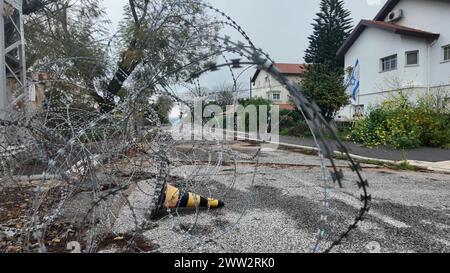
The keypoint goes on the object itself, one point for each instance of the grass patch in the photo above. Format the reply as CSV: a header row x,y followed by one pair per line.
x,y
406,166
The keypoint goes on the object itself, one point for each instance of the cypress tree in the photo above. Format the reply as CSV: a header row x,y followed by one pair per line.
x,y
331,28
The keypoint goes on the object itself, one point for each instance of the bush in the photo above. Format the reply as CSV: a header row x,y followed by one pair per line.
x,y
294,114
255,101
284,132
286,122
300,129
258,103
292,123
163,106
371,130
401,124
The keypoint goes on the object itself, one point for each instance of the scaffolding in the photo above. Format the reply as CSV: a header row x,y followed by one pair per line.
x,y
13,84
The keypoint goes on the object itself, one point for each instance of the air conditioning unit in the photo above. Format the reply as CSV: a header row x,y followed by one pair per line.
x,y
395,15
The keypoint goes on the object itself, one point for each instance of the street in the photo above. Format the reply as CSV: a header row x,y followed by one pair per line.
x,y
278,210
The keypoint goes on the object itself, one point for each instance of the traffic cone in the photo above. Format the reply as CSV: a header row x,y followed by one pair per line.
x,y
174,200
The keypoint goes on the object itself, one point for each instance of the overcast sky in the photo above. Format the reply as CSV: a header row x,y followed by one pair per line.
x,y
280,27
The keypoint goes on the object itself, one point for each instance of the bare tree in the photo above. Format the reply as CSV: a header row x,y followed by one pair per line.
x,y
228,94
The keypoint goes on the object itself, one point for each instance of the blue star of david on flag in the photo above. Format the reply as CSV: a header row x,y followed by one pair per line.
x,y
354,81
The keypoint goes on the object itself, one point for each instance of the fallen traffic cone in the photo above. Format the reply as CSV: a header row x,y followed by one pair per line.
x,y
167,196
174,200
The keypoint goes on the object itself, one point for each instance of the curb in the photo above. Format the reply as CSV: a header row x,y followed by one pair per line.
x,y
428,166
438,167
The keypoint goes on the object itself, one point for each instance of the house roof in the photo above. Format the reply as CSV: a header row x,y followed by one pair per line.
x,y
397,29
294,69
286,69
285,106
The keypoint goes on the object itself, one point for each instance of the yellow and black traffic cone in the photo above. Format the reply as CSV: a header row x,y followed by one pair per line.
x,y
175,200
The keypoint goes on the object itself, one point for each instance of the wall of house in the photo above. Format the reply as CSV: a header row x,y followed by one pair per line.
x,y
265,85
432,16
432,74
375,44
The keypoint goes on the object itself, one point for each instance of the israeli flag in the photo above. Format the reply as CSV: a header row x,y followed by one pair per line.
x,y
354,81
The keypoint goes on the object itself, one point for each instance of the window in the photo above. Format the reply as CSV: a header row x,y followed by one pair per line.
x,y
412,58
446,53
447,103
389,63
276,96
359,111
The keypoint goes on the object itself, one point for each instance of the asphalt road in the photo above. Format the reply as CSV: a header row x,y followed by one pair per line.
x,y
421,154
278,209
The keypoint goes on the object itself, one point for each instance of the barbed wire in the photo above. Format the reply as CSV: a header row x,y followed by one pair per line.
x,y
113,170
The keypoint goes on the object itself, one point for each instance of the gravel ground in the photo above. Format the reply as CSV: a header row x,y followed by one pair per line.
x,y
278,210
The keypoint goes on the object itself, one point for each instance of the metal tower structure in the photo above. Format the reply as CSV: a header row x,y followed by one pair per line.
x,y
13,87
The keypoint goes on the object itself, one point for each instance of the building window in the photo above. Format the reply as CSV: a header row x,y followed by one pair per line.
x,y
412,58
446,53
359,111
447,104
389,63
276,96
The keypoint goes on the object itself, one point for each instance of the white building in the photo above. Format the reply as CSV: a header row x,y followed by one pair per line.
x,y
266,87
406,47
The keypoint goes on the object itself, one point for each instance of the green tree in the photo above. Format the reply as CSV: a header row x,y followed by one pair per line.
x,y
323,81
331,28
163,107
324,85
64,41
156,38
64,30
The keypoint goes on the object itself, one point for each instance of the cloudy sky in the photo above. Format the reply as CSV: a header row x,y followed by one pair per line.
x,y
280,27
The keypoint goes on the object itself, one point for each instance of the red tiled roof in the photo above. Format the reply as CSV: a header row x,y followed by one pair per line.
x,y
287,69
401,29
285,106
397,29
291,68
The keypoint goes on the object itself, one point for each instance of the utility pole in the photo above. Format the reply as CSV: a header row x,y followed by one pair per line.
x,y
13,86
